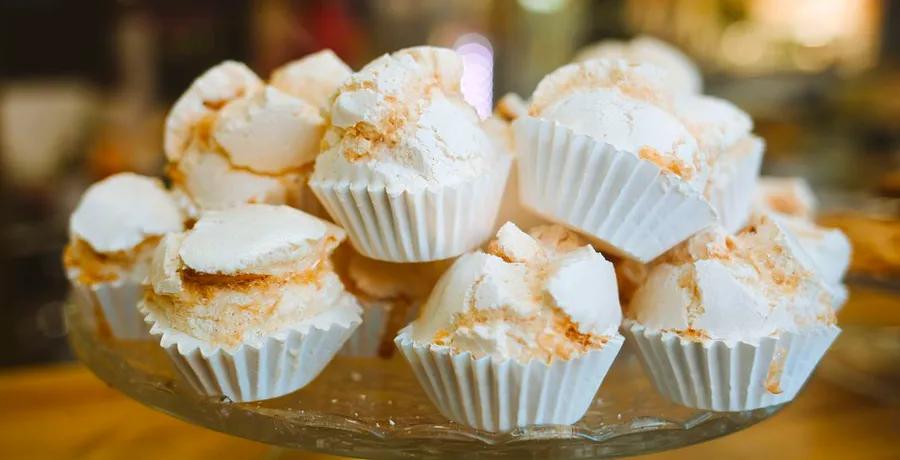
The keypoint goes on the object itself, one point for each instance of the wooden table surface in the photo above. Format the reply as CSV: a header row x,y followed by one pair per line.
x,y
63,411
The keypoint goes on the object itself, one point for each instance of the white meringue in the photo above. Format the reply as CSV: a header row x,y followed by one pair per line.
x,y
314,78
786,195
207,94
121,211
734,288
248,273
633,126
401,122
260,239
269,131
683,75
527,298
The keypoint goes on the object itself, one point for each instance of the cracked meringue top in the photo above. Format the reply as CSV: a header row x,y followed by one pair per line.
x,y
626,106
247,272
786,195
682,75
231,139
116,226
753,284
545,295
401,122
314,78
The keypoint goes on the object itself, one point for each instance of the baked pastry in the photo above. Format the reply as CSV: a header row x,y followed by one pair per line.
x,y
601,152
406,166
732,323
231,139
521,334
246,303
112,235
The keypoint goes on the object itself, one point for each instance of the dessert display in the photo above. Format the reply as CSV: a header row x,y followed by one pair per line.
x,y
525,331
406,166
246,303
641,198
112,235
732,322
603,153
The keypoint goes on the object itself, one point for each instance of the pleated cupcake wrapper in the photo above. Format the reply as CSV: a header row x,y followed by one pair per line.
x,y
734,199
631,206
416,226
720,376
501,395
366,340
114,304
281,364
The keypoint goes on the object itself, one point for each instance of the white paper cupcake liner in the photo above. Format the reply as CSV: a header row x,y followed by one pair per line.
x,y
502,395
733,197
629,205
114,304
416,226
720,376
280,364
368,337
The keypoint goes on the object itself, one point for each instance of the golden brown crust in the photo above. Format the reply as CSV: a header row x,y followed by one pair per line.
x,y
98,267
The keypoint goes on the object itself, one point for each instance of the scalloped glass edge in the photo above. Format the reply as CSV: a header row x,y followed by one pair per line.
x,y
122,365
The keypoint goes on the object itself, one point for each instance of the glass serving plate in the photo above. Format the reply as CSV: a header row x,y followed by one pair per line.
x,y
374,408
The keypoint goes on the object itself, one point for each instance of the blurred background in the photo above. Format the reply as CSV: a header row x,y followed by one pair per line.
x,y
84,88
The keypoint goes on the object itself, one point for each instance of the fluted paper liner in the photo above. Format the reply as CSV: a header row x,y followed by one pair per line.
x,y
629,205
733,200
366,340
416,226
282,363
115,304
500,395
720,376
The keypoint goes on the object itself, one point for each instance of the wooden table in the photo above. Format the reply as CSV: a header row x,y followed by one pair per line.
x,y
63,411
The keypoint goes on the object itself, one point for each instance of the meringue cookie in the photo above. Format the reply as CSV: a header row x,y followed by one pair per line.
x,y
246,273
314,78
261,240
828,252
633,126
207,94
683,75
734,288
236,141
786,195
401,122
716,123
121,211
206,180
542,296
641,81
269,132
